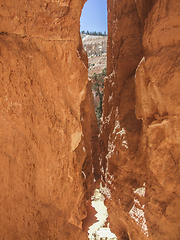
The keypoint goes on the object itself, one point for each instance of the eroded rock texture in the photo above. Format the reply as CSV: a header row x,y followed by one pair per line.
x,y
140,129
43,77
49,147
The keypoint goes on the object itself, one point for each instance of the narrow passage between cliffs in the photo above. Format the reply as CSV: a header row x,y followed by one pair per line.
x,y
95,43
94,38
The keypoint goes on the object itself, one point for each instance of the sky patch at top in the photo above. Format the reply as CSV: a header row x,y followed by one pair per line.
x,y
94,16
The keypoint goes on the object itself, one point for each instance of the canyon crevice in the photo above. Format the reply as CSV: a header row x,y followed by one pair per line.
x,y
53,154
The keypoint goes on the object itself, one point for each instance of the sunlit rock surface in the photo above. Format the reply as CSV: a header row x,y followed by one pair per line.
x,y
140,127
51,159
43,77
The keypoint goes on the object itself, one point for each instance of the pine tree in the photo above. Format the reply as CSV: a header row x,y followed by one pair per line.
x,y
98,85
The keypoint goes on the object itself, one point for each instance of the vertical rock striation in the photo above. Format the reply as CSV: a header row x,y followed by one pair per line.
x,y
43,77
49,146
140,129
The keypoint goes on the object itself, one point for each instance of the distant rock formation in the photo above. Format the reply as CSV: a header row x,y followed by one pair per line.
x,y
96,47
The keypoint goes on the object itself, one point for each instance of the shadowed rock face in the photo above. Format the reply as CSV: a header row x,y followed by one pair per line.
x,y
140,126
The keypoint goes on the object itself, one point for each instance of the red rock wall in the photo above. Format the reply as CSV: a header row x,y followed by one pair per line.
x,y
140,129
48,130
43,77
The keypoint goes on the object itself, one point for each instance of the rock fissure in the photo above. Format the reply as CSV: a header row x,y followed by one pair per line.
x,y
53,154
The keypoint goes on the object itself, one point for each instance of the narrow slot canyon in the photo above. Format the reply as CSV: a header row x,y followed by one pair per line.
x,y
96,224
68,171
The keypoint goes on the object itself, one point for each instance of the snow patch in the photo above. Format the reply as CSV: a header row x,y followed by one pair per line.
x,y
105,190
107,119
118,132
97,201
137,211
140,191
92,168
106,232
84,175
100,161
110,97
97,230
102,170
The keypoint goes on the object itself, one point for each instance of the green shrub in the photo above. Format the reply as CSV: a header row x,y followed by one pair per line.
x,y
97,86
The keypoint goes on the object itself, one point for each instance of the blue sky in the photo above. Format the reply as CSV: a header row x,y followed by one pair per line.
x,y
94,16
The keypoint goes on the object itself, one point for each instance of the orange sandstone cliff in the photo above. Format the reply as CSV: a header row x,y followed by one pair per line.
x,y
140,130
43,78
50,154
